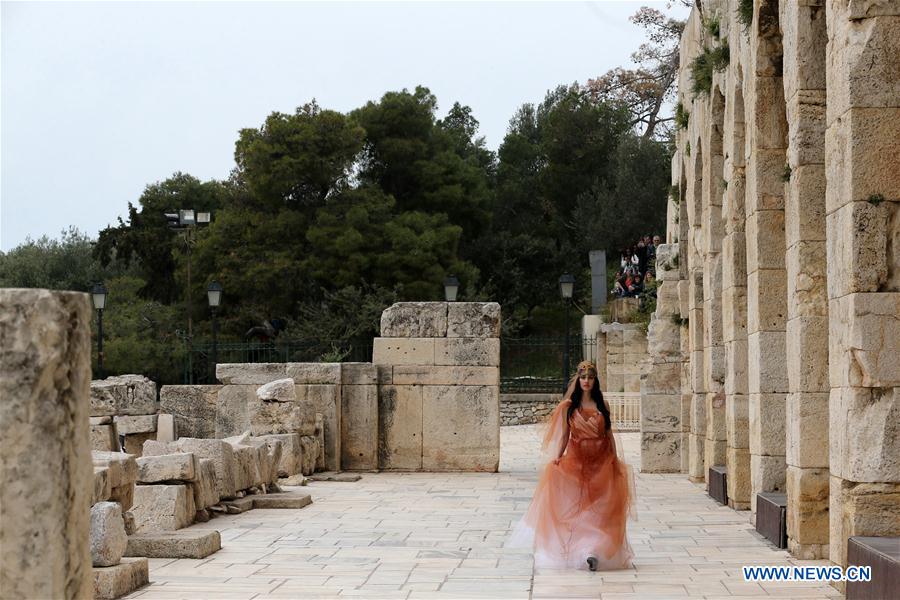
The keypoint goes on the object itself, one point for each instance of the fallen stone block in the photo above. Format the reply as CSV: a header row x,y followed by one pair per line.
x,y
246,459
218,451
121,579
101,420
108,538
280,390
274,417
193,408
129,424
124,495
414,319
291,452
104,438
204,486
134,442
123,395
269,457
333,476
181,466
102,489
166,430
122,467
310,454
185,543
473,319
162,507
128,518
283,500
239,505
298,479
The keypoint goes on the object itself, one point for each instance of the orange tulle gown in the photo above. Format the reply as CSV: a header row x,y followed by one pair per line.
x,y
580,505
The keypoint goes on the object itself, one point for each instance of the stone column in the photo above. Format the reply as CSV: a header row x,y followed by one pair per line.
x,y
862,146
661,415
695,267
804,36
713,348
734,300
46,477
766,276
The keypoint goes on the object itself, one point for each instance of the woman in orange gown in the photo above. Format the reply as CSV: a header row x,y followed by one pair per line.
x,y
584,492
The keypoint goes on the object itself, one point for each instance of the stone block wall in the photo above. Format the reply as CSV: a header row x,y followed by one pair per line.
x,y
123,405
439,386
786,220
524,409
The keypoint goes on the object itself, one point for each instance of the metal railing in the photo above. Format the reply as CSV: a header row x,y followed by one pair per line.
x,y
624,410
536,364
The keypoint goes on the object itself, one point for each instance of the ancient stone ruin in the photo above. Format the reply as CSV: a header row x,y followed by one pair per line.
x,y
776,341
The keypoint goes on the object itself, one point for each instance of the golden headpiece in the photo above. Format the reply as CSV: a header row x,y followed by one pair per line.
x,y
586,366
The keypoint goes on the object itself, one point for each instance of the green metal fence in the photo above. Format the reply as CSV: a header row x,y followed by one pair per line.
x,y
527,365
199,366
536,364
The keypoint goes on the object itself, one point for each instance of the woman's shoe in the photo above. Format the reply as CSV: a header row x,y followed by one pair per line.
x,y
592,563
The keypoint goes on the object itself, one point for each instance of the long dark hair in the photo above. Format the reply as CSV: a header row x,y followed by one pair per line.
x,y
596,394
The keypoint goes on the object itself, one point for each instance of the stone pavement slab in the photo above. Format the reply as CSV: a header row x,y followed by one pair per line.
x,y
442,536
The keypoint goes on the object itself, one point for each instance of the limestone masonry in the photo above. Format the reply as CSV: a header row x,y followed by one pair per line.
x,y
776,341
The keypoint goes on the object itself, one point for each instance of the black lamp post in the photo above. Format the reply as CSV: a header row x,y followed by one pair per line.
x,y
98,297
451,288
214,295
566,287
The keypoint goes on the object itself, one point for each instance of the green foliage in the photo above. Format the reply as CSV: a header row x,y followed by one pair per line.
x,y
682,116
678,320
786,173
687,148
745,13
64,264
708,61
875,199
349,313
140,336
711,25
675,194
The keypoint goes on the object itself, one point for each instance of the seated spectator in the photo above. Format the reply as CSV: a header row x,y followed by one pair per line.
x,y
650,277
635,287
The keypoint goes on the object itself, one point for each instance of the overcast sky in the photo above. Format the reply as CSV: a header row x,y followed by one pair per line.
x,y
101,99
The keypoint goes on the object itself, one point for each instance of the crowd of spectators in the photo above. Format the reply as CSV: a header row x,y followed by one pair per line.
x,y
637,268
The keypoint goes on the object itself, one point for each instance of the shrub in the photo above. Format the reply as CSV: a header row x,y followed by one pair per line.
x,y
681,116
875,199
745,13
712,25
705,64
786,173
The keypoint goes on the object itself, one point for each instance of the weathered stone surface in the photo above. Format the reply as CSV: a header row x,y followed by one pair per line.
x,y
128,519
246,458
473,319
660,413
400,427
483,352
359,427
101,420
108,539
123,469
275,417
666,263
283,500
124,495
314,373
767,422
193,407
104,438
662,378
326,400
162,507
445,375
359,373
280,390
102,488
204,485
312,454
233,409
184,543
661,452
865,434
122,579
403,351
807,509
130,424
269,452
123,395
250,373
168,467
46,480
291,453
222,456
414,320
460,428
166,430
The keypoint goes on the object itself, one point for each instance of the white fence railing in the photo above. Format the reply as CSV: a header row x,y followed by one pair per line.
x,y
625,410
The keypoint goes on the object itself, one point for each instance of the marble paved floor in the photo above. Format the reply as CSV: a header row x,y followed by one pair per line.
x,y
426,535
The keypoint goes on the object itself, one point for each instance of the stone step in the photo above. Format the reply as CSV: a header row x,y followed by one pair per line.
x,y
121,579
283,500
184,543
238,505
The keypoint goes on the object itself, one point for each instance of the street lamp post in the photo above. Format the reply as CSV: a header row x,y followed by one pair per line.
x,y
187,219
451,288
214,295
566,287
98,297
